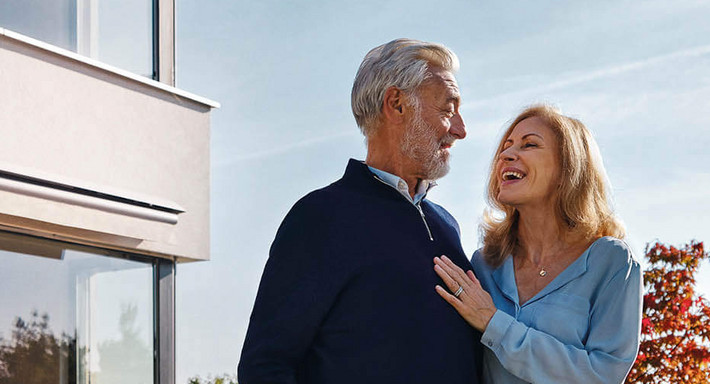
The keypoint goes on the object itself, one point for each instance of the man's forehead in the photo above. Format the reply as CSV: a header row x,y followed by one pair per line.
x,y
440,77
439,74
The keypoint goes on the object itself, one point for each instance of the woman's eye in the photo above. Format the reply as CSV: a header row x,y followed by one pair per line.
x,y
529,145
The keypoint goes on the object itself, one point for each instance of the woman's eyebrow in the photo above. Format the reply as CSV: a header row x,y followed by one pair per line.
x,y
533,134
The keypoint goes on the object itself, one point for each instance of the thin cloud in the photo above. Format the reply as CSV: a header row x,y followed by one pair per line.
x,y
560,84
594,75
283,148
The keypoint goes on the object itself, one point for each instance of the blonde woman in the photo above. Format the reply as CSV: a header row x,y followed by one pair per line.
x,y
556,292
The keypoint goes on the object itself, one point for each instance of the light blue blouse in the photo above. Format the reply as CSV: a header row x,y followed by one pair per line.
x,y
583,327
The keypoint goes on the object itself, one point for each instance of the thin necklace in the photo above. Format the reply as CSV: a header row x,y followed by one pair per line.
x,y
542,272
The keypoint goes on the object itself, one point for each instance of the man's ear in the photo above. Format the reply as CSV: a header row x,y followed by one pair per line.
x,y
393,105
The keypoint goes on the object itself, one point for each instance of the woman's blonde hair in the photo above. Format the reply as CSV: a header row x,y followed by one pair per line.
x,y
582,196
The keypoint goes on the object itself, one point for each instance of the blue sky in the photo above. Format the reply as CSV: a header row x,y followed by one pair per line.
x,y
637,73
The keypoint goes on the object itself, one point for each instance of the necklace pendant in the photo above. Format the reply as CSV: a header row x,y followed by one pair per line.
x,y
543,273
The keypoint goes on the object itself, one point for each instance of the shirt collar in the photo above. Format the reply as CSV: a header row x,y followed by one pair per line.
x,y
401,186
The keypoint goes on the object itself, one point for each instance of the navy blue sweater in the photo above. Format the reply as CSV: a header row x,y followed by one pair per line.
x,y
347,294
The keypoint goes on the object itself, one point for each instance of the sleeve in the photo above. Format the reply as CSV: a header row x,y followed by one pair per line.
x,y
299,284
608,354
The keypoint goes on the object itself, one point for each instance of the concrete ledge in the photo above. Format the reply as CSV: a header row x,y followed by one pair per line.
x,y
105,67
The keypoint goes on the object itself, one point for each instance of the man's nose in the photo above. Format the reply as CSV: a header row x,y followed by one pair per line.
x,y
458,127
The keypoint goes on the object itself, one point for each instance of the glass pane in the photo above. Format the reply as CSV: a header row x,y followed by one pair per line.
x,y
125,34
115,32
74,317
52,21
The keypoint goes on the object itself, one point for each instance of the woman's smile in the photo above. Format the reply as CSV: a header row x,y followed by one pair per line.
x,y
511,175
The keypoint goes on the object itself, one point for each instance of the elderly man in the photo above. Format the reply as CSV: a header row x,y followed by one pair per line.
x,y
347,295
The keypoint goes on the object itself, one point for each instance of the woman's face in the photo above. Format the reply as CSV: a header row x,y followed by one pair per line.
x,y
528,166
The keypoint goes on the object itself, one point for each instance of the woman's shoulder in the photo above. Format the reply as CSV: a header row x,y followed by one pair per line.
x,y
479,263
611,254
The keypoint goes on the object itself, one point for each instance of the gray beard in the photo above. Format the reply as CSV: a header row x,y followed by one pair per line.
x,y
420,145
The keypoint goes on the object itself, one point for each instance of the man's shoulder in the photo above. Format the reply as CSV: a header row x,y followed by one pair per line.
x,y
309,217
322,197
355,184
322,204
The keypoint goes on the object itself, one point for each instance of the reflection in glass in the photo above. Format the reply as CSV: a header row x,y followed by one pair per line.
x,y
115,32
51,21
74,317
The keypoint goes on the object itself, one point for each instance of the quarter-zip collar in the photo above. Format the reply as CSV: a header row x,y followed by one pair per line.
x,y
401,186
398,184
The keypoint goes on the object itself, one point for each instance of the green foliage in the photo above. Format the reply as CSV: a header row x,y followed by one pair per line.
x,y
34,355
222,379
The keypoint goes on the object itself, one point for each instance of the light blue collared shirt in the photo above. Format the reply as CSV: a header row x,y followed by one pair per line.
x,y
583,327
401,186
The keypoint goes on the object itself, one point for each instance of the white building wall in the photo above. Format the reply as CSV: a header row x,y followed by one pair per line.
x,y
73,122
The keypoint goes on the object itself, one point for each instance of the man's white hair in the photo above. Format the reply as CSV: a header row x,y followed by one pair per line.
x,y
401,63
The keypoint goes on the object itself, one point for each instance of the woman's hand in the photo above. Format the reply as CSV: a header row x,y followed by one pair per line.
x,y
473,303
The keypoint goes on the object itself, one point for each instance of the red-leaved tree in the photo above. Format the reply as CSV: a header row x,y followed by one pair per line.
x,y
675,330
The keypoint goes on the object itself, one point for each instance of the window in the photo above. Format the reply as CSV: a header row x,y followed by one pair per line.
x,y
72,314
115,32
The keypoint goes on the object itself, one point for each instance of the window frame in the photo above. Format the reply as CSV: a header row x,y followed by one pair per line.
x,y
164,41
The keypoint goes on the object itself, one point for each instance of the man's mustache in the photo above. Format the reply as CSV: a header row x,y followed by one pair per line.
x,y
449,140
